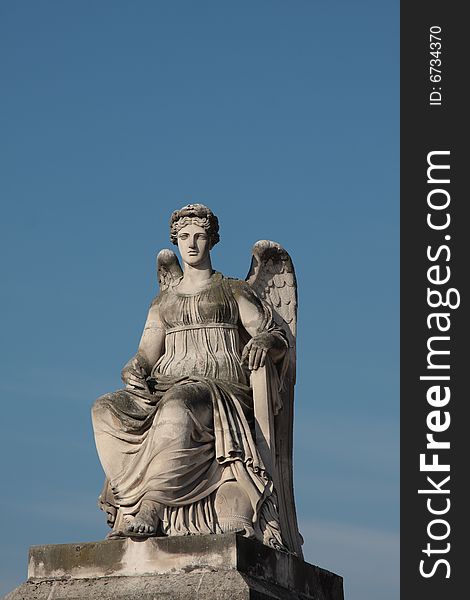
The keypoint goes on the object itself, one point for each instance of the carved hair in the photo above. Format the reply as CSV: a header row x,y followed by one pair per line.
x,y
194,214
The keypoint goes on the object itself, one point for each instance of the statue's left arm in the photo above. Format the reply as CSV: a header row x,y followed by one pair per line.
x,y
266,336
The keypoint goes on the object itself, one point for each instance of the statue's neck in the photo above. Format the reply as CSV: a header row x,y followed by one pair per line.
x,y
197,274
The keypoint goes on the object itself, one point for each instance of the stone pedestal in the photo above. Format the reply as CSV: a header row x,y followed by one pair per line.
x,y
212,567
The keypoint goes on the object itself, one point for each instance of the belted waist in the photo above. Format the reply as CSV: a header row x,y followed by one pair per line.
x,y
201,326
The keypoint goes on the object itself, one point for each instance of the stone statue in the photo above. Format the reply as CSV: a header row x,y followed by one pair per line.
x,y
200,439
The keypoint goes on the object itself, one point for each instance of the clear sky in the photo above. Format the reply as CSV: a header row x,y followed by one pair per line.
x,y
282,117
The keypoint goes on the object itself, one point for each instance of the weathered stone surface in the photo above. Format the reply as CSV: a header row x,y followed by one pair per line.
x,y
125,557
199,441
219,567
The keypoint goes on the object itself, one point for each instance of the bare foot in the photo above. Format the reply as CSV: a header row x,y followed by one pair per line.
x,y
146,520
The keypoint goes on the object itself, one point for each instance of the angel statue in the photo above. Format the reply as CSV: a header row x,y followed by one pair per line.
x,y
199,441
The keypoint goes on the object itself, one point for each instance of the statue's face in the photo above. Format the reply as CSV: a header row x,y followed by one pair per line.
x,y
193,244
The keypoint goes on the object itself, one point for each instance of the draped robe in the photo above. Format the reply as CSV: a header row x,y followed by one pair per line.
x,y
195,430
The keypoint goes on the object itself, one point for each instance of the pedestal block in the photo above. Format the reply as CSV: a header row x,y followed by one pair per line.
x,y
212,567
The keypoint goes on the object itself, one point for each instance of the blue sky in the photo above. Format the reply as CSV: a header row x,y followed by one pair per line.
x,y
282,117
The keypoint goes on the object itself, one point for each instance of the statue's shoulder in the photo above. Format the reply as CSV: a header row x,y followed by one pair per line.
x,y
160,297
239,287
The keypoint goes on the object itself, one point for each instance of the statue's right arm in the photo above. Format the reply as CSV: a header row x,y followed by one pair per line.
x,y
151,347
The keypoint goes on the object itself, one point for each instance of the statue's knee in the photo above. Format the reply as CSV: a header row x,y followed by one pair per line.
x,y
173,398
101,406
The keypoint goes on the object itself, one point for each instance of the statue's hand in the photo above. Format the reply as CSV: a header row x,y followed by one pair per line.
x,y
134,376
137,383
254,353
135,366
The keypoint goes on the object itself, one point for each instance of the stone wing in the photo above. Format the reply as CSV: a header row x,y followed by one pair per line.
x,y
168,269
272,276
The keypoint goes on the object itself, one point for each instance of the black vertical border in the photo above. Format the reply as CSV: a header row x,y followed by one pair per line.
x,y
426,128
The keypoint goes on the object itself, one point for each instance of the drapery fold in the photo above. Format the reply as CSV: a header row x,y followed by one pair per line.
x,y
179,444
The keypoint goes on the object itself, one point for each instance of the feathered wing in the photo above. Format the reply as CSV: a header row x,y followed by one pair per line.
x,y
168,269
272,277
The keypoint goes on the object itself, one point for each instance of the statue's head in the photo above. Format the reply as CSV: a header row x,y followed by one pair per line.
x,y
195,214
